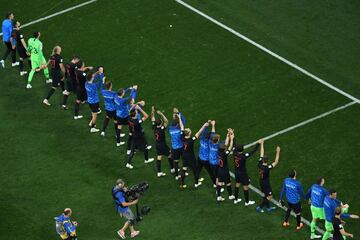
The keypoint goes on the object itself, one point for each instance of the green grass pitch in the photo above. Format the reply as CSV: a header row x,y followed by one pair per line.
x,y
49,161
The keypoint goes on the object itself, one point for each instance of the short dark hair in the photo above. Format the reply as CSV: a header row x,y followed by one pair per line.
x,y
67,211
80,63
158,122
36,34
175,122
132,112
331,191
207,135
265,158
319,180
108,85
8,14
120,92
239,147
337,210
292,173
89,75
222,146
76,57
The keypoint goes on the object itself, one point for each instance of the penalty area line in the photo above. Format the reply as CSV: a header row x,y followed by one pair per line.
x,y
261,47
56,14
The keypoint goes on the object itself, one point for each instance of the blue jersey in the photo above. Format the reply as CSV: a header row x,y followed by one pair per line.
x,y
213,153
7,28
293,191
329,207
317,195
68,226
92,91
122,105
204,149
119,199
109,97
175,137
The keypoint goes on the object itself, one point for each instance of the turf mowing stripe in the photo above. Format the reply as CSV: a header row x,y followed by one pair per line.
x,y
257,191
304,122
268,51
56,14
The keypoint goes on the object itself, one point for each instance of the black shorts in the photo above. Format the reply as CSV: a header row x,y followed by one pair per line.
x,y
162,149
139,142
122,121
295,207
80,93
214,169
94,107
56,78
176,153
111,114
188,161
242,177
266,188
9,46
224,175
71,85
22,52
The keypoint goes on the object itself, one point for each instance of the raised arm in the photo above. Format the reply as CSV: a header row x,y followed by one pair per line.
x,y
213,126
166,121
180,122
152,116
227,139
276,161
197,135
143,113
262,151
231,139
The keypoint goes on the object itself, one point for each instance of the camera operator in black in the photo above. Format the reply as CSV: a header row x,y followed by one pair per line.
x,y
241,175
223,170
188,157
122,208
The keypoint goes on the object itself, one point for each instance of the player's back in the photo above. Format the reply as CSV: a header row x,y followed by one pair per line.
x,y
213,152
292,190
108,99
175,137
318,194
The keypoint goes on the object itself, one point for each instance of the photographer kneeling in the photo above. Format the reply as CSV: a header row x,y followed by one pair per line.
x,y
122,207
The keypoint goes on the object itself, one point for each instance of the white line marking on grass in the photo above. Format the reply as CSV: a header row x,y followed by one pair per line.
x,y
304,123
256,190
268,51
56,14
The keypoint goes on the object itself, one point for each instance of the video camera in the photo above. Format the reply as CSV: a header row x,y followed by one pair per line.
x,y
134,193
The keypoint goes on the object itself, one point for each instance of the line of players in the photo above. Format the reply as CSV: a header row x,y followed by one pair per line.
x,y
213,154
121,108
